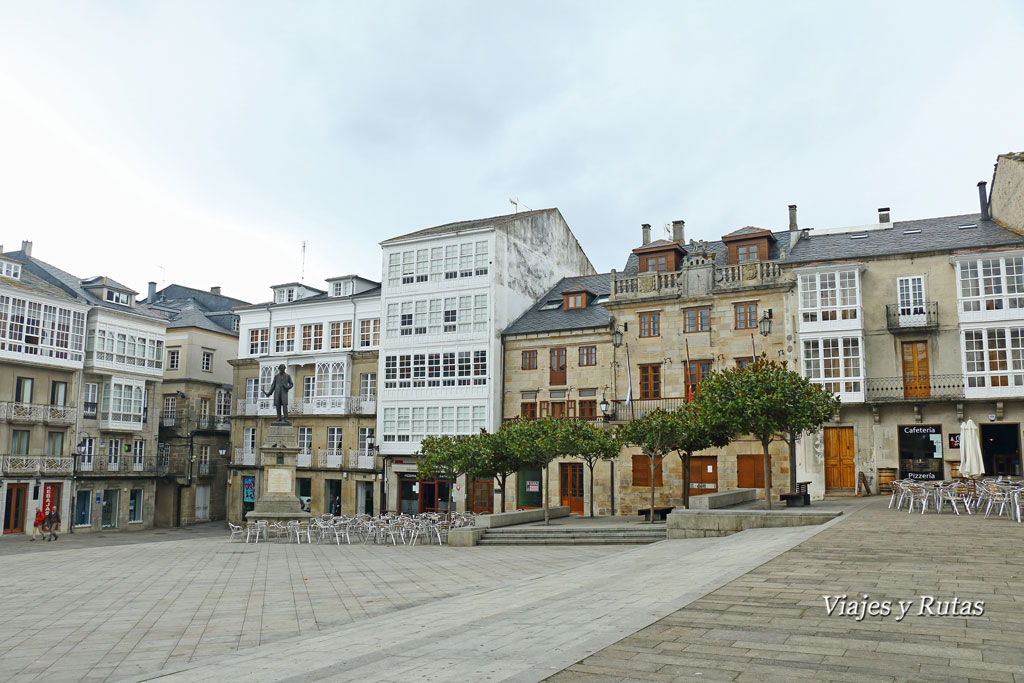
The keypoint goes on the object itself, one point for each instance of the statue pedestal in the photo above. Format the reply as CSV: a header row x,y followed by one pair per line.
x,y
278,502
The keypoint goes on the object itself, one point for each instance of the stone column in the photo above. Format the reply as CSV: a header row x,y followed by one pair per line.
x,y
278,502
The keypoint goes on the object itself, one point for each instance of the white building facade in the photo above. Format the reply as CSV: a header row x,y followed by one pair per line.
x,y
447,293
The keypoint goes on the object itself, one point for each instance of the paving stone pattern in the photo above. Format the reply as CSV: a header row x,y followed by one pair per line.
x,y
771,624
119,606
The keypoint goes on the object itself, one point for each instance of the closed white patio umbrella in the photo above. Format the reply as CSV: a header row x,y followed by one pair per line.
x,y
971,463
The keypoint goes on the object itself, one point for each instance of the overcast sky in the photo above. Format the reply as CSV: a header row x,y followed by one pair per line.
x,y
200,143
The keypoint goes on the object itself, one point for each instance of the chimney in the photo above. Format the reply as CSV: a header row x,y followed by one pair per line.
x,y
982,197
151,296
26,247
678,231
883,215
792,217
215,290
646,227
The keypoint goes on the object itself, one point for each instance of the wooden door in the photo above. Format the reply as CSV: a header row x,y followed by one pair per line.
x,y
480,496
750,471
703,475
839,468
14,510
916,378
557,367
571,479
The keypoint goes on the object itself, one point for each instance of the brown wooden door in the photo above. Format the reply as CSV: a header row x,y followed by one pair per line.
x,y
703,475
14,510
916,378
557,367
839,468
750,471
571,478
480,499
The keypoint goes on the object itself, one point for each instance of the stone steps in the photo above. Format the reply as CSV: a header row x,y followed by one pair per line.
x,y
595,536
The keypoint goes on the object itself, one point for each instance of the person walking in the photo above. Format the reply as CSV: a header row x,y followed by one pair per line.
x,y
53,522
37,525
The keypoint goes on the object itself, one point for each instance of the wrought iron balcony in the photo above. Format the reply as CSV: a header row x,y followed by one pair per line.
x,y
640,407
28,413
931,388
123,464
31,465
244,457
89,409
912,318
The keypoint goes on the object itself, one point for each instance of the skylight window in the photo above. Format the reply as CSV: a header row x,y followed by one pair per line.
x,y
915,231
858,237
970,226
551,305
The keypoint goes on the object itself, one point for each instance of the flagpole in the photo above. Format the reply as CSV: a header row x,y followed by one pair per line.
x,y
752,348
629,384
687,389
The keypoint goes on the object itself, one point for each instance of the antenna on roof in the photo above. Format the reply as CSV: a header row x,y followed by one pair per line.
x,y
302,275
514,201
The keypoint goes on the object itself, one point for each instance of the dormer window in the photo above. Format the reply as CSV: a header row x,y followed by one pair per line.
x,y
575,301
116,297
10,270
342,288
654,264
284,295
747,252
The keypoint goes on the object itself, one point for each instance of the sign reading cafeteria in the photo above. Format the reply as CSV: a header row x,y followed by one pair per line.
x,y
920,448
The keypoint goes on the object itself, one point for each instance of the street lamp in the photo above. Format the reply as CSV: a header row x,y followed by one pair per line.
x,y
80,451
617,337
764,325
604,405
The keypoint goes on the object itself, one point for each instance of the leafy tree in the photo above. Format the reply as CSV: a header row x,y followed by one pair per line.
x,y
657,434
589,443
448,457
535,444
764,399
696,431
497,457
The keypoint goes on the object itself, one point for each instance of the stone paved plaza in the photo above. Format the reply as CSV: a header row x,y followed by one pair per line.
x,y
746,607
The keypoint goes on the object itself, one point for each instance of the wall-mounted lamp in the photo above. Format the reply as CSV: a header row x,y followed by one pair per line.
x,y
764,325
617,337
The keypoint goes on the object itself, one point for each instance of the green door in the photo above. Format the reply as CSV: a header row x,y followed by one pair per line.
x,y
530,486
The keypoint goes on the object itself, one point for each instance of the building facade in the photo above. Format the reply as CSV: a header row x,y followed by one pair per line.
x,y
195,403
447,293
328,342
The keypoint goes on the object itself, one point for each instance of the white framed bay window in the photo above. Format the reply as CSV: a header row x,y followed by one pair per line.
x,y
993,359
837,364
830,300
991,288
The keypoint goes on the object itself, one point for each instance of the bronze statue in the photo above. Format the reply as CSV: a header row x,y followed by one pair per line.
x,y
279,388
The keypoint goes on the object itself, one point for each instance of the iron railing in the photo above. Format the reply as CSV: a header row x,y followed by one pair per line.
x,y
931,388
122,464
637,408
38,412
912,318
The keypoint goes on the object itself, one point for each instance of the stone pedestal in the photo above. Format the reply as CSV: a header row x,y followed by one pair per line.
x,y
278,502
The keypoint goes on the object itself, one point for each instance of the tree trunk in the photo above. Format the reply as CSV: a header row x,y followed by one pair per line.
x,y
767,475
547,490
652,490
684,460
501,483
792,462
591,466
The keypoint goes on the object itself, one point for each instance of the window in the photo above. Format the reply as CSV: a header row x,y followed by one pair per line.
x,y
697,319
90,399
365,438
10,270
412,424
23,389
835,363
173,359
223,403
252,390
138,454
747,252
696,371
588,356
650,324
170,408
529,360
259,341
122,298
207,361
654,264
123,401
135,505
305,439
313,337
19,442
83,508
284,295
368,386
448,369
575,301
746,316
528,405
744,362
557,375
650,381
58,393
330,379
829,296
449,262
642,470
249,439
113,454
308,388
284,339
369,332
994,357
41,329
203,459
992,284
342,288
341,335
588,408
204,411
334,438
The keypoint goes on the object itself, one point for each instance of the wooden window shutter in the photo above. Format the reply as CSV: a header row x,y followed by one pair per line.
x,y
571,408
641,470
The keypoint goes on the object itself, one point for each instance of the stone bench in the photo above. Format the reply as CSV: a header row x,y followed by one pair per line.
x,y
721,499
499,519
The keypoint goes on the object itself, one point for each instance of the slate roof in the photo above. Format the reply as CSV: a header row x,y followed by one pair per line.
x,y
190,307
369,293
73,286
104,281
719,248
594,315
937,234
660,244
494,221
30,281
